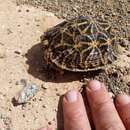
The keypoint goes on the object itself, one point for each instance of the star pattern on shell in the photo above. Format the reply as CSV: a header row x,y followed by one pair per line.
x,y
79,45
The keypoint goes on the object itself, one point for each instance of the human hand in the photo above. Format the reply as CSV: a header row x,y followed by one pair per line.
x,y
105,114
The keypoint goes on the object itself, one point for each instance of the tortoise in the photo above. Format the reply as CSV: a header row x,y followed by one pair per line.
x,y
81,44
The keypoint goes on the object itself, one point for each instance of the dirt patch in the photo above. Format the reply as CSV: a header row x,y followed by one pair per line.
x,y
115,11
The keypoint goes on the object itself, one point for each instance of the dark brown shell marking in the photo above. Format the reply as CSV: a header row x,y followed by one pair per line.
x,y
79,45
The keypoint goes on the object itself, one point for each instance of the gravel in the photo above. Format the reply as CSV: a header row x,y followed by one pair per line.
x,y
114,11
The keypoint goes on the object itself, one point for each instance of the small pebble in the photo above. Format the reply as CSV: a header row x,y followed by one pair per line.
x,y
19,10
128,55
49,123
56,89
9,31
18,52
128,11
17,83
10,109
58,94
24,115
40,99
128,84
37,25
44,106
44,86
27,10
23,82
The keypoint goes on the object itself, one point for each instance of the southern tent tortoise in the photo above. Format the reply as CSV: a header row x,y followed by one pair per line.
x,y
80,45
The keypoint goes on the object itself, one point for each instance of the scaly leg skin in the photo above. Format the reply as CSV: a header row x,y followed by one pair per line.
x,y
60,71
51,72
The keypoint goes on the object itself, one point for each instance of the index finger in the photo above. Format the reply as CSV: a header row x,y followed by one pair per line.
x,y
104,113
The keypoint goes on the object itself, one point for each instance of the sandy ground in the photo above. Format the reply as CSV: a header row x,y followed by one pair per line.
x,y
21,27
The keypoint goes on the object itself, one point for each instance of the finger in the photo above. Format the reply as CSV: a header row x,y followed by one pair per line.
x,y
123,107
75,117
45,128
104,113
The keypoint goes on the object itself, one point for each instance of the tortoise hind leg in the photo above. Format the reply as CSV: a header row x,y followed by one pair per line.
x,y
51,71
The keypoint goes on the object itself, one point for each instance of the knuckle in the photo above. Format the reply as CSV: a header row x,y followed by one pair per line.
x,y
127,120
103,105
76,115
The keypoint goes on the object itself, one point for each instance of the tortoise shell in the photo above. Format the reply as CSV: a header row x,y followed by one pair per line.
x,y
80,45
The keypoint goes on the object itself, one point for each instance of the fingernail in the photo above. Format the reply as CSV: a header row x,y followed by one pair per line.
x,y
94,85
123,99
71,96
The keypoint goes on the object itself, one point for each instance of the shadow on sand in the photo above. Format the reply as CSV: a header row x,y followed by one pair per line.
x,y
37,69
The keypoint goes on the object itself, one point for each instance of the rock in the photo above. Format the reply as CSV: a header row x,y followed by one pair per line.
x,y
28,92
44,86
18,52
